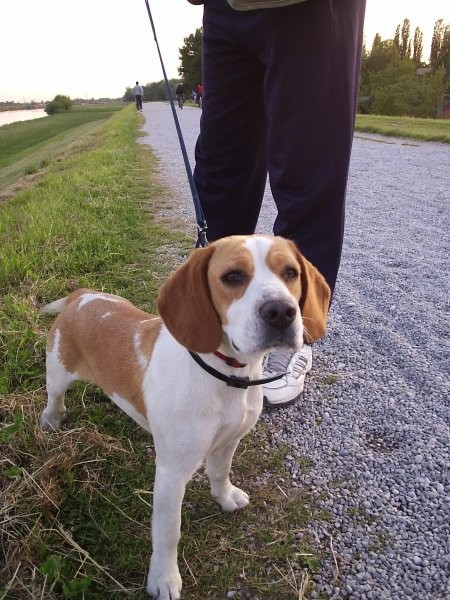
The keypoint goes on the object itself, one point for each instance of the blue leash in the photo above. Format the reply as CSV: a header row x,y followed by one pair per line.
x,y
201,221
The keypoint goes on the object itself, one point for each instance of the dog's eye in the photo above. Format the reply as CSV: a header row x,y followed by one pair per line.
x,y
290,273
236,277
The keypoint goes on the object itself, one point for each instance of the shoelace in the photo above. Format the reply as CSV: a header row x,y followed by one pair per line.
x,y
299,366
279,361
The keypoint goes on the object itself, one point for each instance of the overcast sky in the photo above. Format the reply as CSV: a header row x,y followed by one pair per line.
x,y
96,48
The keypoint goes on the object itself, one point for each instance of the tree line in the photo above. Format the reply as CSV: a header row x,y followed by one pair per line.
x,y
190,71
396,81
394,78
153,92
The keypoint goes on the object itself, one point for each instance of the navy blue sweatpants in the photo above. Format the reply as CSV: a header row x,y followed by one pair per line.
x,y
280,92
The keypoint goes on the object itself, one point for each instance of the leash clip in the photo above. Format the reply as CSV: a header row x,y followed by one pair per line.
x,y
238,382
202,242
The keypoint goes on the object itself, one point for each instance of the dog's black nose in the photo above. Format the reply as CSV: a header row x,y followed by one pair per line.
x,y
278,313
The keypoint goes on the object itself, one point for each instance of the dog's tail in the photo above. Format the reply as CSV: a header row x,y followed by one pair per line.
x,y
54,307
59,305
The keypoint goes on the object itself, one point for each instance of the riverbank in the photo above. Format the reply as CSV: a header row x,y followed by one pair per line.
x,y
27,147
15,116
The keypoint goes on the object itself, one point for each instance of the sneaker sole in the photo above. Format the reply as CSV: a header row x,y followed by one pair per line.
x,y
267,404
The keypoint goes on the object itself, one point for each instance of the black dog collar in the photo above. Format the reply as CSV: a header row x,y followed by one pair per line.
x,y
232,380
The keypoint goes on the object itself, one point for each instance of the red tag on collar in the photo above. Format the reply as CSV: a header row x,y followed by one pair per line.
x,y
231,362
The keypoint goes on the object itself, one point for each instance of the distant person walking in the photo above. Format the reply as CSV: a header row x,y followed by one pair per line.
x,y
200,94
138,92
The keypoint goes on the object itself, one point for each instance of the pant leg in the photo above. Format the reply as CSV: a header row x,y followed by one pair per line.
x,y
298,125
311,90
231,167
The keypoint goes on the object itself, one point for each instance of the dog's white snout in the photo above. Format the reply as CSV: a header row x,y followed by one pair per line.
x,y
280,314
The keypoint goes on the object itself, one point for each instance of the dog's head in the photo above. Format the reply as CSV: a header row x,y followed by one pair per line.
x,y
253,292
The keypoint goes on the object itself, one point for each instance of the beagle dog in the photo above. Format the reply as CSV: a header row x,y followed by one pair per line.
x,y
191,376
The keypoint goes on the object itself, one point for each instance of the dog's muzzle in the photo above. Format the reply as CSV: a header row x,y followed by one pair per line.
x,y
279,314
280,318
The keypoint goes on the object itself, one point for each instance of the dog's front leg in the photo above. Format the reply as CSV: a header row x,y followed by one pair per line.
x,y
164,580
218,466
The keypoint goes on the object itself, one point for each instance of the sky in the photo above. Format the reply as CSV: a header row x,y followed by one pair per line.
x,y
96,48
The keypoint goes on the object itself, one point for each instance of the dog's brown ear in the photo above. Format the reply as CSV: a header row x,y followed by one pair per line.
x,y
185,305
315,300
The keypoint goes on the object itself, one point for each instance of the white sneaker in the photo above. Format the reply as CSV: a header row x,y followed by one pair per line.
x,y
286,390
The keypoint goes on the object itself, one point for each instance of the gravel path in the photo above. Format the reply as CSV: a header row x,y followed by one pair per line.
x,y
375,411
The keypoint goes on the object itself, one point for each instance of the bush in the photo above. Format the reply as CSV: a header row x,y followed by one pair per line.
x,y
59,104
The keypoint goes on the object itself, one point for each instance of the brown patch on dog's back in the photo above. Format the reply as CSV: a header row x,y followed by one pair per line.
x,y
98,344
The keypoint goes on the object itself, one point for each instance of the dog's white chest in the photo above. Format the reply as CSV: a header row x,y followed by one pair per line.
x,y
237,418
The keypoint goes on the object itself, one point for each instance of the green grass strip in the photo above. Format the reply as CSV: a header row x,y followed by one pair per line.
x,y
431,130
27,147
18,139
82,224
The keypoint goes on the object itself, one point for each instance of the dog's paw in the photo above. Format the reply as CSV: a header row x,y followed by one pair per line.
x,y
50,421
164,585
233,499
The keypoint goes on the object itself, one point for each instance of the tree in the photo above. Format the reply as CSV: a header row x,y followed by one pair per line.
x,y
157,91
391,84
191,60
59,104
436,40
436,84
440,50
383,54
397,90
444,58
405,45
397,38
417,46
129,96
376,40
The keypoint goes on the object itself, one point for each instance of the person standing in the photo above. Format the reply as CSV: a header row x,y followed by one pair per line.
x,y
280,87
138,92
200,94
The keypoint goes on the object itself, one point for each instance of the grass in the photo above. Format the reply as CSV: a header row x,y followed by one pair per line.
x,y
28,146
75,505
437,130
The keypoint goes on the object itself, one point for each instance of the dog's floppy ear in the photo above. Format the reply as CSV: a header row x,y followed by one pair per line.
x,y
315,300
185,305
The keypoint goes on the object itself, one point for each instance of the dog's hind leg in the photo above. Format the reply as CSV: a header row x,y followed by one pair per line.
x,y
218,465
58,381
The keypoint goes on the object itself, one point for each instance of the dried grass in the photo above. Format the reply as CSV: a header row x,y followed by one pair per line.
x,y
30,501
